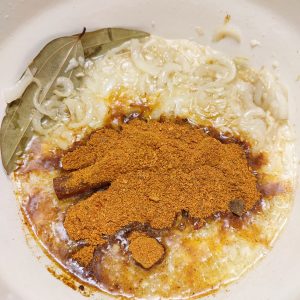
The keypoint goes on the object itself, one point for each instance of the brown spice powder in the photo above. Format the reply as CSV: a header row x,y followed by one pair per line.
x,y
84,255
145,250
156,170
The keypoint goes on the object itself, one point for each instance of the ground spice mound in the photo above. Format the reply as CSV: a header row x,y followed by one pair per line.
x,y
147,251
155,170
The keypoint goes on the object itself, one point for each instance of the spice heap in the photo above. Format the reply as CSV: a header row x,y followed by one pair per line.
x,y
145,250
155,171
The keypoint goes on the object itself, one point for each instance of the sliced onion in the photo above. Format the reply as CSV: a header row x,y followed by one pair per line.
x,y
140,62
66,87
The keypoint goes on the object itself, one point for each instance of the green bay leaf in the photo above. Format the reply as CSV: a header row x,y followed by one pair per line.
x,y
50,63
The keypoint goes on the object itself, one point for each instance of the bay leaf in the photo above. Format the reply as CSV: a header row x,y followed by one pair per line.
x,y
50,63
9,126
99,41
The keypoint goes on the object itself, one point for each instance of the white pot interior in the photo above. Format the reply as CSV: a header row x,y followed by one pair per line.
x,y
25,26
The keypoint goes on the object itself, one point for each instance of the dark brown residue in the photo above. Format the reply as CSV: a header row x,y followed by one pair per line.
x,y
37,159
237,207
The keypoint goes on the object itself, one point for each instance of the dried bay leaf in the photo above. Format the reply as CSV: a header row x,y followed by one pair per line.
x,y
14,130
100,41
9,125
51,62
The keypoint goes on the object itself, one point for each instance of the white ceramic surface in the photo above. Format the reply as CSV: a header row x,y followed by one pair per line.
x,y
26,25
